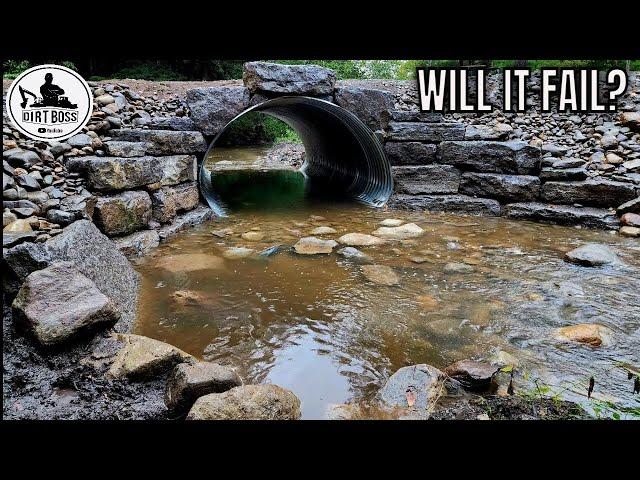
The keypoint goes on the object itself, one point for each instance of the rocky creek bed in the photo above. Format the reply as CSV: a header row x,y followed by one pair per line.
x,y
77,213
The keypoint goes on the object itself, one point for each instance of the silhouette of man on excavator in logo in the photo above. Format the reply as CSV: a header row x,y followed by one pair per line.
x,y
52,95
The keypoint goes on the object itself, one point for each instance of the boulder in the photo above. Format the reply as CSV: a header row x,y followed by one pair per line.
x,y
587,333
424,132
391,222
592,255
117,148
416,386
506,188
211,108
313,246
595,192
474,376
60,217
189,382
323,230
276,78
93,254
365,103
80,141
194,217
176,169
632,206
381,274
119,173
631,120
169,201
59,303
139,243
165,142
141,358
562,214
410,116
23,159
563,174
402,232
487,132
249,402
123,213
626,231
630,219
426,179
447,203
252,236
355,255
360,240
181,124
410,153
492,157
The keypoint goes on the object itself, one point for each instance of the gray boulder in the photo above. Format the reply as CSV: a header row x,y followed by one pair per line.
x,y
447,203
165,142
365,103
426,179
249,402
169,201
80,141
562,214
592,255
123,213
424,132
58,303
176,169
182,124
506,188
563,174
24,159
118,173
416,386
212,108
410,153
189,382
595,192
288,79
139,243
117,148
492,157
410,116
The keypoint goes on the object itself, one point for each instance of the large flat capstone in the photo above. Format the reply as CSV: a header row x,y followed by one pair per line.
x,y
288,79
426,179
562,214
164,142
365,103
595,192
503,187
492,157
447,203
119,173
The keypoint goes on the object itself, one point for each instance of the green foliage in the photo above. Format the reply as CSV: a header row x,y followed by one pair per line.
x,y
158,71
278,132
12,68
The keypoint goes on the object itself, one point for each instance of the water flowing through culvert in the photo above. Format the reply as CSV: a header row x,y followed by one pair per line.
x,y
343,157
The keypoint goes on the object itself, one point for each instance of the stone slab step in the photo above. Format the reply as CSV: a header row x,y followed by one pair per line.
x,y
447,203
426,179
562,214
165,142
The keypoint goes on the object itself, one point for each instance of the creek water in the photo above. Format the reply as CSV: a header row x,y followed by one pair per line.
x,y
316,325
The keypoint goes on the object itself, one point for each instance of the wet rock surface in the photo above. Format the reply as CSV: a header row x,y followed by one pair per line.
x,y
314,246
417,387
592,255
249,402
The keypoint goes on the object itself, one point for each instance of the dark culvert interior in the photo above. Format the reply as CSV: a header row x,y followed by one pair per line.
x,y
343,157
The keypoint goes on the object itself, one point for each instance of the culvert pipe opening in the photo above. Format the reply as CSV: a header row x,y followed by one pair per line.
x,y
342,156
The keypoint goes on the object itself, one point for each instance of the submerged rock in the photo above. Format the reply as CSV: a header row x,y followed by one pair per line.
x,y
416,386
476,376
427,302
189,382
351,253
381,274
408,230
323,231
249,402
314,246
253,236
142,357
456,267
588,333
59,303
234,253
630,231
592,255
189,262
391,222
360,240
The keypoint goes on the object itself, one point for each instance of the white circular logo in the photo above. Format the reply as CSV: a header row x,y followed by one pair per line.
x,y
49,102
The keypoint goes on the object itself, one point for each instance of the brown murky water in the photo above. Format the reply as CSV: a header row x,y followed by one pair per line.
x,y
316,325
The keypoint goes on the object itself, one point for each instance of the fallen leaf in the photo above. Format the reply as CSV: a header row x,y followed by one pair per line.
x,y
411,398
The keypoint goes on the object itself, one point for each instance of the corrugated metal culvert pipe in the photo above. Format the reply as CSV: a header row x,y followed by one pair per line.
x,y
342,155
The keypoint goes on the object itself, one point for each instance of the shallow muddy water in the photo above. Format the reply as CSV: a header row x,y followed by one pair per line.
x,y
316,325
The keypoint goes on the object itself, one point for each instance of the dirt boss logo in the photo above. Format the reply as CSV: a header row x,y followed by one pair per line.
x,y
49,102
